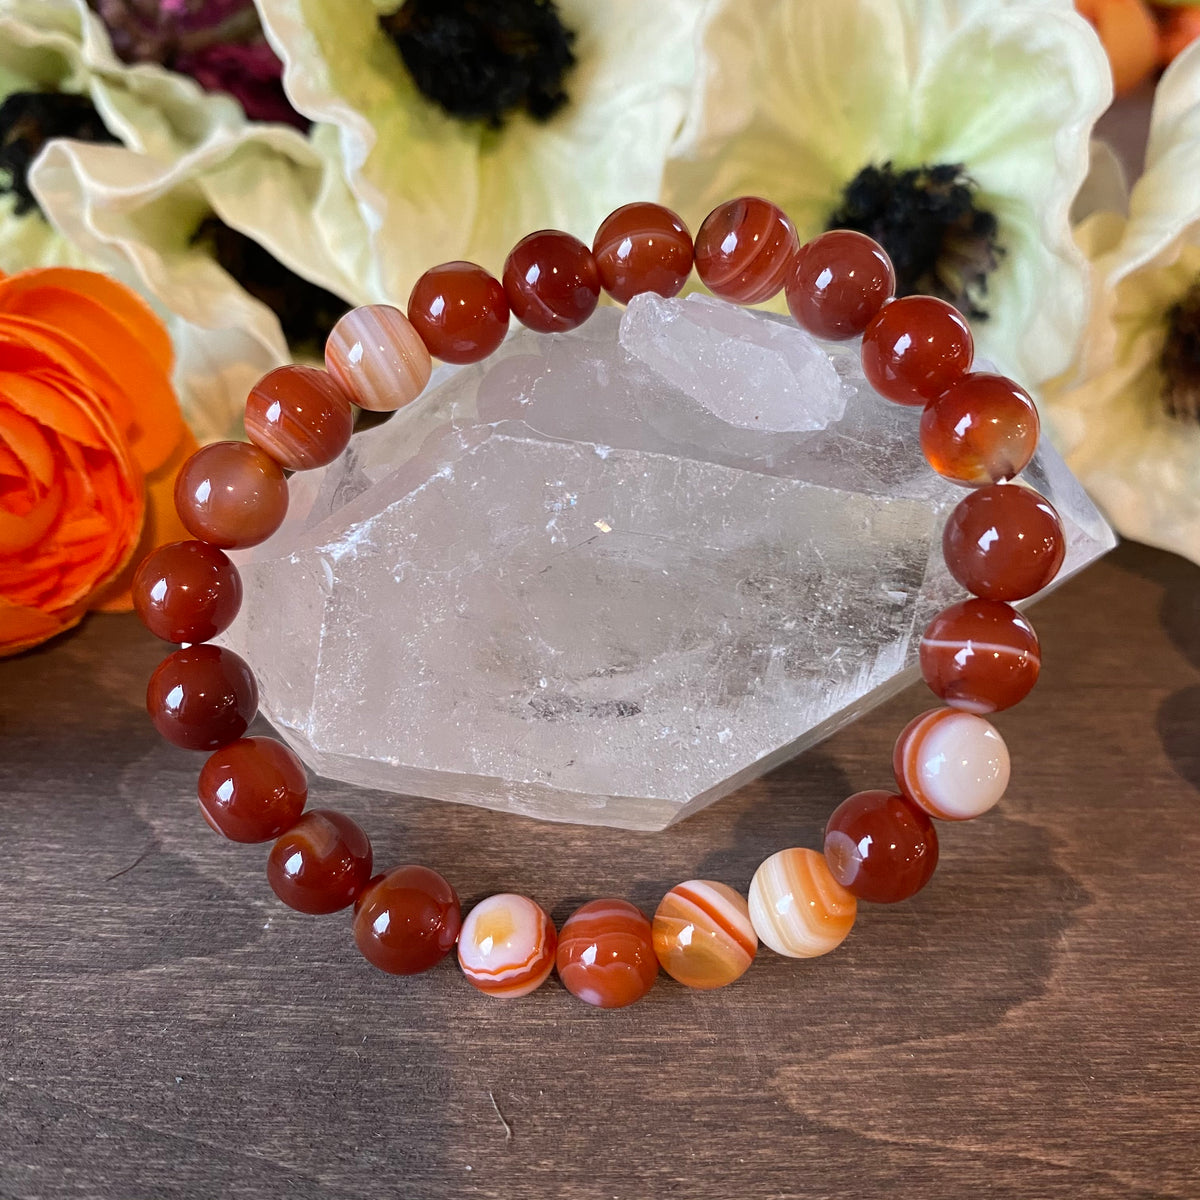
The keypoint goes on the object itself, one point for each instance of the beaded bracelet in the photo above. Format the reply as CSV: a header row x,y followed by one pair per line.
x,y
1003,542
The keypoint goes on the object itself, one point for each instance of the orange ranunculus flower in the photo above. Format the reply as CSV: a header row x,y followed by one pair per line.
x,y
90,439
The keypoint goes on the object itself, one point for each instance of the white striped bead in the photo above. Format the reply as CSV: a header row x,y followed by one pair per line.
x,y
797,907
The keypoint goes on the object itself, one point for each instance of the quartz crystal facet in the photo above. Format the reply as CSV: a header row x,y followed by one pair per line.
x,y
590,579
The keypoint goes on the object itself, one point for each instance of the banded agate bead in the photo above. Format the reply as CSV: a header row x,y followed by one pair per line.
x,y
797,907
642,248
915,348
187,592
299,416
702,934
231,494
377,358
745,249
606,954
507,945
551,281
1004,542
202,697
980,655
460,311
838,283
953,764
321,864
252,790
881,846
982,429
407,920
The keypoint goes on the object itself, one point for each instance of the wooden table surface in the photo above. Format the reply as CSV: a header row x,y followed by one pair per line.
x,y
1026,1027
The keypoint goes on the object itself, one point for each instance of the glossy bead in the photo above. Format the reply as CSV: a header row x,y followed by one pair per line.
x,y
951,763
507,946
980,656
1004,542
982,429
838,282
231,494
797,907
551,281
606,954
745,249
187,592
299,416
642,248
321,864
702,934
915,348
460,311
881,846
377,358
202,697
407,920
252,790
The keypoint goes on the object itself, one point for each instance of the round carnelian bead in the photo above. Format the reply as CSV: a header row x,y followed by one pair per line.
x,y
881,846
952,764
252,790
606,954
506,946
202,697
980,655
407,920
187,592
642,248
1004,542
231,494
321,864
982,429
551,281
745,249
460,311
703,935
299,416
838,282
915,348
377,358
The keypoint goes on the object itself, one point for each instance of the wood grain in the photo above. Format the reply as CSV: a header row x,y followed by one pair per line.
x,y
1026,1027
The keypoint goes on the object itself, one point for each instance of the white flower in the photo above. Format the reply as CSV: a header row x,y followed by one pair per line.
x,y
131,208
798,96
435,187
1109,414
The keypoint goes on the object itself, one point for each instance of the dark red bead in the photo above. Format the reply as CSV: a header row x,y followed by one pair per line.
x,y
231,494
881,846
642,248
299,416
915,348
551,281
321,864
838,282
460,311
980,656
407,920
202,697
187,592
745,249
252,790
1004,542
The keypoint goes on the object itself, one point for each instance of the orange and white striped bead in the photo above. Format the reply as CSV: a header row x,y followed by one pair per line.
x,y
506,946
797,907
703,935
377,358
952,763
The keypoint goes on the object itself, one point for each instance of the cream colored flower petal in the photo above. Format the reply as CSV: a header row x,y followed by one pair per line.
x,y
433,187
1105,188
29,241
1009,89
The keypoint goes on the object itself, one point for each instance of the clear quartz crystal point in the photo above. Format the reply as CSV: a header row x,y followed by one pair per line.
x,y
572,582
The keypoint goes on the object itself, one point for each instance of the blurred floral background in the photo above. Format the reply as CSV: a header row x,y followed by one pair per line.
x,y
251,170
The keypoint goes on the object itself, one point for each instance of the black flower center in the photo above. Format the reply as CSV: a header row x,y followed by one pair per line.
x,y
484,59
940,242
28,120
1181,358
306,311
